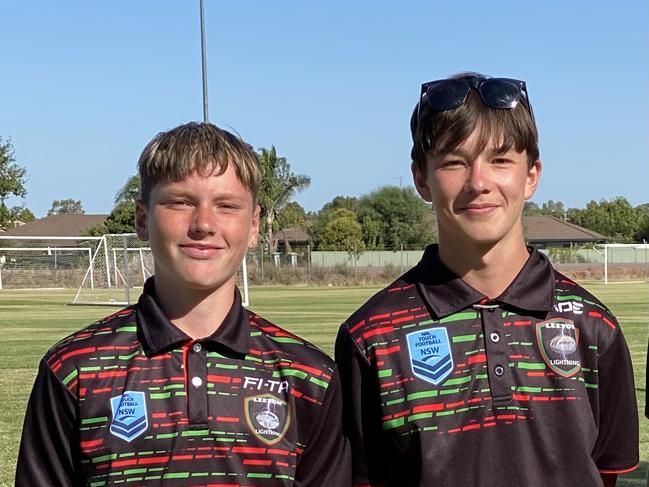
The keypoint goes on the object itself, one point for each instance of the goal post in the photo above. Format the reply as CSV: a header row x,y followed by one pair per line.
x,y
106,270
120,266
44,261
629,259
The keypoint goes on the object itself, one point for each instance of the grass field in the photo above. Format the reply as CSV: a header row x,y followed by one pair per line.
x,y
31,321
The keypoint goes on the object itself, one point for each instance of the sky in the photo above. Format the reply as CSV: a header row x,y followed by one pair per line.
x,y
331,84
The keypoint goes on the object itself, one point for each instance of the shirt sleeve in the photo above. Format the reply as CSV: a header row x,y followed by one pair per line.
x,y
48,448
361,413
616,448
326,460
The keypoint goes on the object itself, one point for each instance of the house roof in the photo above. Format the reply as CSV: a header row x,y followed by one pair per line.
x,y
292,234
553,230
67,225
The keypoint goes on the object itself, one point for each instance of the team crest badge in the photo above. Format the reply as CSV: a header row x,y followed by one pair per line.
x,y
558,340
129,415
268,417
430,354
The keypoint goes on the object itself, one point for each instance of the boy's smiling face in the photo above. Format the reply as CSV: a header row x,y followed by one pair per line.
x,y
199,229
478,196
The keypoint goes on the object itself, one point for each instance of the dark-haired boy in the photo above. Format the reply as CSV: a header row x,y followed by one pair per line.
x,y
187,387
482,365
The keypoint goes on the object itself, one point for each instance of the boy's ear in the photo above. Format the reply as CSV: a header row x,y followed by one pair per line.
x,y
254,228
141,215
421,183
533,177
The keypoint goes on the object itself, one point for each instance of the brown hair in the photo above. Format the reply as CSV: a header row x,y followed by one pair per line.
x,y
436,133
177,153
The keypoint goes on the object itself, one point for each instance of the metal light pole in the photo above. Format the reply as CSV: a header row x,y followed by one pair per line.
x,y
204,63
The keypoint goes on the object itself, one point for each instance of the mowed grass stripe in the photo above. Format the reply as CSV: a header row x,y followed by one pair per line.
x,y
32,321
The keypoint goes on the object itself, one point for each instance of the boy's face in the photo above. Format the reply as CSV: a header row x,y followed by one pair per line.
x,y
199,229
478,196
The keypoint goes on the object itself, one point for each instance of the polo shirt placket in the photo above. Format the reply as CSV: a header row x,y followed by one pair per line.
x,y
196,363
500,381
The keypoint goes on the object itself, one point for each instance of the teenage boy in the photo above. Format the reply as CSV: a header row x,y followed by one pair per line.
x,y
187,387
482,365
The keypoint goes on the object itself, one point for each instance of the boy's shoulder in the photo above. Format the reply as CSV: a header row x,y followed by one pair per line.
x,y
567,289
269,339
577,303
117,332
394,303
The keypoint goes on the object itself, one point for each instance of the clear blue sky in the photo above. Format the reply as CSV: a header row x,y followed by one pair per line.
x,y
85,85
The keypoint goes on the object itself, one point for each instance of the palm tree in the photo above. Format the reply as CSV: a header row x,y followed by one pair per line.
x,y
278,186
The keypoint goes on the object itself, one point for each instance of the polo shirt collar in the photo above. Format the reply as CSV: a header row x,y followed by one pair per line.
x,y
446,293
158,333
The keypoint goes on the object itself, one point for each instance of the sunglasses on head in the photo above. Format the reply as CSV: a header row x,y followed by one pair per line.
x,y
446,94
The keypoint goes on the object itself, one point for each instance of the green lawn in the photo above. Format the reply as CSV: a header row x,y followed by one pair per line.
x,y
32,321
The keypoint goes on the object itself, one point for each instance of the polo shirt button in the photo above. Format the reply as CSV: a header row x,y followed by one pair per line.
x,y
491,310
495,337
499,370
197,382
197,347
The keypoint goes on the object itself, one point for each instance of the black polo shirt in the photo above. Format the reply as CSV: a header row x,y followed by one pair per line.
x,y
443,387
132,400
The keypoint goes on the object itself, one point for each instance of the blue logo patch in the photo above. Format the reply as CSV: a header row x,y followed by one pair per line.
x,y
430,354
129,415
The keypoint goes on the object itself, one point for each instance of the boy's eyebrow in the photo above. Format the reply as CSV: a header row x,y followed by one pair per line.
x,y
221,196
503,149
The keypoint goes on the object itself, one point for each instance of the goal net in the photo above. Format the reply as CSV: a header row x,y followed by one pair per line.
x,y
625,261
118,269
29,263
108,270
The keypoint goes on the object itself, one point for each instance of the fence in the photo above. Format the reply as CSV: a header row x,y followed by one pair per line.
x,y
303,265
121,262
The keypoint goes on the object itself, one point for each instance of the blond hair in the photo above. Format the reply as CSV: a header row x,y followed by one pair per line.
x,y
192,147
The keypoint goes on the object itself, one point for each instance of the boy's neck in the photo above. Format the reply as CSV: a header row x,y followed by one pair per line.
x,y
489,269
198,313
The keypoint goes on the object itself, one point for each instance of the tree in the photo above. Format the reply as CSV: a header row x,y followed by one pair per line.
x,y
643,216
553,208
12,181
372,236
66,207
292,215
278,186
549,208
346,202
530,208
615,218
120,220
23,214
342,232
122,217
130,191
400,213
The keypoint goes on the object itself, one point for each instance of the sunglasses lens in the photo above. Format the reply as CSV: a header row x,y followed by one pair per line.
x,y
500,93
446,94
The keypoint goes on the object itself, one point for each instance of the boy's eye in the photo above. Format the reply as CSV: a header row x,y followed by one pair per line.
x,y
453,163
501,160
229,206
177,203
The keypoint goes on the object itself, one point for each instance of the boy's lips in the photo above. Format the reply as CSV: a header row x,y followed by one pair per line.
x,y
478,209
200,251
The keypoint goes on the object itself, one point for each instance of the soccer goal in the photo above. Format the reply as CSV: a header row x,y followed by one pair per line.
x,y
118,269
107,270
624,261
44,262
